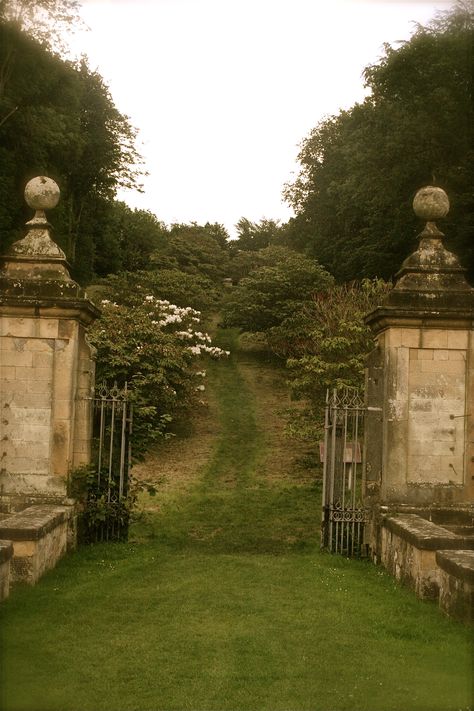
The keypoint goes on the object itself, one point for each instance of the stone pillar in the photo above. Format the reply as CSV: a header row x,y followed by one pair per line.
x,y
46,364
420,381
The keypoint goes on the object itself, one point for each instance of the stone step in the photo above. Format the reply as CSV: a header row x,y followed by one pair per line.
x,y
38,535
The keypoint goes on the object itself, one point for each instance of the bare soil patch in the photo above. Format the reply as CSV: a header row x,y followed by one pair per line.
x,y
178,462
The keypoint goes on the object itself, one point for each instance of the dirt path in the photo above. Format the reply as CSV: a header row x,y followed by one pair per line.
x,y
180,462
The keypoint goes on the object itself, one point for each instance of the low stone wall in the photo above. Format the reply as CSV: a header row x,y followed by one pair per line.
x,y
456,584
6,555
408,551
39,538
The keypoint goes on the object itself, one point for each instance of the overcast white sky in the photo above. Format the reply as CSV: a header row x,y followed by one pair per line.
x,y
223,91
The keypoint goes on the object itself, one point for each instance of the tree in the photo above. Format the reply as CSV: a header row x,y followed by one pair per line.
x,y
58,119
242,262
155,346
45,20
174,285
195,249
361,168
252,236
275,290
325,344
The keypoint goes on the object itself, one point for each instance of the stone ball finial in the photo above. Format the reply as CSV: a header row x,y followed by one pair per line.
x,y
431,203
42,193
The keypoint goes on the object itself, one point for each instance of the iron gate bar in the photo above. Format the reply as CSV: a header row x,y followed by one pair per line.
x,y
122,449
111,447
324,457
343,514
112,414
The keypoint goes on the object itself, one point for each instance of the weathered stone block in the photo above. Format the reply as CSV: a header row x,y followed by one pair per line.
x,y
48,328
393,337
7,343
457,355
24,359
39,386
67,328
43,360
456,583
408,547
6,555
11,326
7,372
63,409
33,400
34,486
458,339
435,338
31,432
41,345
443,367
23,372
424,353
410,337
39,537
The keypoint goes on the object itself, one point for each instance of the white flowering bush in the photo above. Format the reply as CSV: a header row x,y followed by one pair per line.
x,y
156,346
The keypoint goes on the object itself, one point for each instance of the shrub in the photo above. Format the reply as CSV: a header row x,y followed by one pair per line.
x,y
153,345
325,345
275,290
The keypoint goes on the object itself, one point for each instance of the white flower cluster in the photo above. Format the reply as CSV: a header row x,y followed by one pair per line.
x,y
107,302
213,351
194,334
165,314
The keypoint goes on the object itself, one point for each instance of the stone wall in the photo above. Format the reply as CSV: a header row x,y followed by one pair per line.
x,y
39,538
405,557
46,366
456,584
437,563
426,385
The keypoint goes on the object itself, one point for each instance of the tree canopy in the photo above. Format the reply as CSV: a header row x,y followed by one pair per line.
x,y
58,118
194,249
45,20
277,287
361,168
252,236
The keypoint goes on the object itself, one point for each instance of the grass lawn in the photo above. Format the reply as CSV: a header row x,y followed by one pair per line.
x,y
223,600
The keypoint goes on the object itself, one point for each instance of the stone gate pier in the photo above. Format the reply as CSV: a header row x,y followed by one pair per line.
x,y
46,371
419,475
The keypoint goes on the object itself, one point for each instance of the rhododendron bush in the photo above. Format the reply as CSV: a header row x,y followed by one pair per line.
x,y
157,347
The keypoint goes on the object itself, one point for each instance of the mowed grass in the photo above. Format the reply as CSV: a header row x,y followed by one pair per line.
x,y
223,600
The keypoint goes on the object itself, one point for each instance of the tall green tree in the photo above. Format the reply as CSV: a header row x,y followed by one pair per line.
x,y
195,249
361,168
45,20
252,236
274,290
58,118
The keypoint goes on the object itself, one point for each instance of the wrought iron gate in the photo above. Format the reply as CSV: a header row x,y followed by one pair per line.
x,y
111,454
344,515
